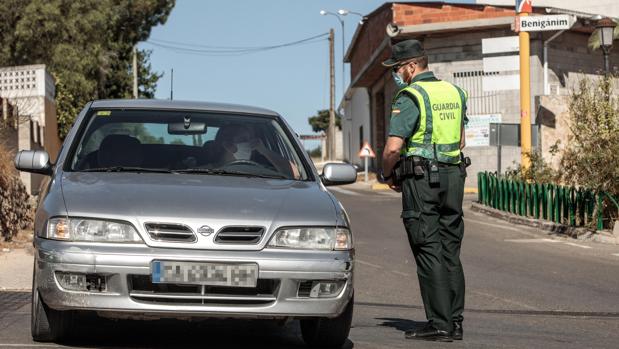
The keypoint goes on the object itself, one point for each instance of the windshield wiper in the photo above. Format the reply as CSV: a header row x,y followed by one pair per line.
x,y
220,172
126,169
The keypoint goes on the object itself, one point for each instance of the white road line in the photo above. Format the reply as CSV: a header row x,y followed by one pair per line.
x,y
616,254
576,245
390,193
18,345
344,191
369,264
400,273
528,241
506,300
493,225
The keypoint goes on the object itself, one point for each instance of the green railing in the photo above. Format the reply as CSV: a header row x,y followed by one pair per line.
x,y
560,204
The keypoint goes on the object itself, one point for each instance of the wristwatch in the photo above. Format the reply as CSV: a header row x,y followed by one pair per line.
x,y
384,178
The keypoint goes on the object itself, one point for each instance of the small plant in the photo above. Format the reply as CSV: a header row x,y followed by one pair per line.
x,y
15,208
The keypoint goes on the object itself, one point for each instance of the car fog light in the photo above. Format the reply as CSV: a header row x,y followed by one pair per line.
x,y
81,282
321,289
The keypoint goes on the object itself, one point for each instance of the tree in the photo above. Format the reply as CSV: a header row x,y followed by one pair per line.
x,y
87,45
320,121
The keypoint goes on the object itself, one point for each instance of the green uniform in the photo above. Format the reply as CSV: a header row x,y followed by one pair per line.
x,y
432,214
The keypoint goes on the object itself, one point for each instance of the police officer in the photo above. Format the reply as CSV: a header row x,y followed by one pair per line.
x,y
423,160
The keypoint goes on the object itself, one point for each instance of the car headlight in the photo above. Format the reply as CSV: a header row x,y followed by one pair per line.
x,y
93,230
312,238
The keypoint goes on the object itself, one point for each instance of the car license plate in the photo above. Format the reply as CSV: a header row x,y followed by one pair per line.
x,y
205,273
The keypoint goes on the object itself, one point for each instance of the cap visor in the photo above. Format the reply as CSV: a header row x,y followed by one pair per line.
x,y
390,62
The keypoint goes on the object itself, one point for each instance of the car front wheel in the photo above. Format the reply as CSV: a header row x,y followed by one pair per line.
x,y
326,332
47,324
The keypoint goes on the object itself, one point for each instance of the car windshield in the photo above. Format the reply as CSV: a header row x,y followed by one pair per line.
x,y
187,142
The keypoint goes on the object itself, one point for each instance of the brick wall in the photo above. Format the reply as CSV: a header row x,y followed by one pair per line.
x,y
370,37
411,14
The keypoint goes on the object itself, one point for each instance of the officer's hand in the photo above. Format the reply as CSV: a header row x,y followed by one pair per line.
x,y
394,187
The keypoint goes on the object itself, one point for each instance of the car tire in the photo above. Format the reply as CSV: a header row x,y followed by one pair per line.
x,y
47,324
326,332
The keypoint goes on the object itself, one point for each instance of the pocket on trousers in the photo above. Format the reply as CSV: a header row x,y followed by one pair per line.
x,y
412,223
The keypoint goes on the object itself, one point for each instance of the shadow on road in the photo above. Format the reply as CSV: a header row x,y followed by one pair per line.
x,y
401,324
212,333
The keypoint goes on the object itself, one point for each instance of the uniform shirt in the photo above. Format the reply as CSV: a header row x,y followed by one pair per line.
x,y
405,111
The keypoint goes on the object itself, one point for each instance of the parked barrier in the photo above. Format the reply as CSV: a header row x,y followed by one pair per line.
x,y
560,204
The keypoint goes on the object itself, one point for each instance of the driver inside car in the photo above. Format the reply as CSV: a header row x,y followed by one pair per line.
x,y
237,143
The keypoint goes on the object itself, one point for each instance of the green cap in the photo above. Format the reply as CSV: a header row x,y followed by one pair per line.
x,y
404,50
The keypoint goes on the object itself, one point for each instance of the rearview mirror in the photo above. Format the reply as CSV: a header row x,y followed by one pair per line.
x,y
187,127
338,174
35,161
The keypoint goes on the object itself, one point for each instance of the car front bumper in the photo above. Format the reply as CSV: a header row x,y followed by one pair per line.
x,y
120,265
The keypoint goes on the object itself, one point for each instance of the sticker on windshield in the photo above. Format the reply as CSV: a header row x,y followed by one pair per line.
x,y
104,113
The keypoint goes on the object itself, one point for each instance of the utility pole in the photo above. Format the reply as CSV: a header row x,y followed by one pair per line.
x,y
172,84
135,72
525,89
331,131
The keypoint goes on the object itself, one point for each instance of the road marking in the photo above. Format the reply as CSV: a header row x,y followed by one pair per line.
x,y
18,345
369,264
616,254
400,273
506,300
577,245
344,191
493,225
390,193
528,241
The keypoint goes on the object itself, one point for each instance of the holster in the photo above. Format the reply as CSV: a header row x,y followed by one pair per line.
x,y
464,163
411,166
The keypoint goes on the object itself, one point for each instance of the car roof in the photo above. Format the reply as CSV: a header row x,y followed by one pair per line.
x,y
180,105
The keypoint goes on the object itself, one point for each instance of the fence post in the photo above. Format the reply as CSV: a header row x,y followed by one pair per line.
x,y
600,218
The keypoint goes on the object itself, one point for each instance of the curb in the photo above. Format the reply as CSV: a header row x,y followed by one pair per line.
x,y
583,234
380,186
470,190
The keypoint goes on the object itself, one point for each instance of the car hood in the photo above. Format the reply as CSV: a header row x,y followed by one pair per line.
x,y
198,200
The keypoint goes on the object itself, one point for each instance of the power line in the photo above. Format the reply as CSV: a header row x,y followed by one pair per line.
x,y
207,50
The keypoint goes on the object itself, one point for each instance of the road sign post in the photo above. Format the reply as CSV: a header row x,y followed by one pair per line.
x,y
523,8
365,153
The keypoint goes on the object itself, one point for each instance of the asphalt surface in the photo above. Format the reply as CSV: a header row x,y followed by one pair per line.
x,y
525,289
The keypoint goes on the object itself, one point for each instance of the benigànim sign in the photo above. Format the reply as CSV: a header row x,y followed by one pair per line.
x,y
543,23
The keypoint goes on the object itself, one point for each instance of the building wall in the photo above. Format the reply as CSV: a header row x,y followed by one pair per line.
x,y
356,124
606,7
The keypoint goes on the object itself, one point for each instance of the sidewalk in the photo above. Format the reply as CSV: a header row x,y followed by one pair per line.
x,y
16,269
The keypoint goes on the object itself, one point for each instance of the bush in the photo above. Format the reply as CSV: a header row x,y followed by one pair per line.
x,y
539,170
591,156
15,208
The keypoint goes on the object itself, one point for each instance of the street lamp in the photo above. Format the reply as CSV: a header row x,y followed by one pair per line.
x,y
606,27
325,13
345,12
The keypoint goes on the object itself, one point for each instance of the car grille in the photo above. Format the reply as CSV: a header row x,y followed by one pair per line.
x,y
142,289
239,235
170,232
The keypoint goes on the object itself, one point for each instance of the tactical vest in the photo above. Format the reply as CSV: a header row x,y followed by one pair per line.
x,y
441,112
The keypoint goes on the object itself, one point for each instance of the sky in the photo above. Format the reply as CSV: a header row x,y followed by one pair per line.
x,y
293,80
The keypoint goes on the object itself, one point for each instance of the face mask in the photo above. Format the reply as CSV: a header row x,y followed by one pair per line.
x,y
243,151
399,82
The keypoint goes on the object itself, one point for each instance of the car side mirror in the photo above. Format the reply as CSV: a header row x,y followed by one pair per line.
x,y
35,161
338,174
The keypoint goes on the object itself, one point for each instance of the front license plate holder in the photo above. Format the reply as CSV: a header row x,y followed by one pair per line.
x,y
205,273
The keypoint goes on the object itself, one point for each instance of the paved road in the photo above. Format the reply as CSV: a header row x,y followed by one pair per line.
x,y
525,289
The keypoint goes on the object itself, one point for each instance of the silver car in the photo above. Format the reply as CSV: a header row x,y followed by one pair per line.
x,y
168,209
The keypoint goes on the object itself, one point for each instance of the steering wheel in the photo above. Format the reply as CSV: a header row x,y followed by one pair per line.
x,y
242,162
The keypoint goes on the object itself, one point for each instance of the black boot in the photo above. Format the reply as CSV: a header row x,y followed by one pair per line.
x,y
458,331
429,333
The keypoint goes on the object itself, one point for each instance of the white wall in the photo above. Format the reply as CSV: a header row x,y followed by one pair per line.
x,y
356,115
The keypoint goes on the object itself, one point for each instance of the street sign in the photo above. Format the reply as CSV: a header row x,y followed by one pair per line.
x,y
524,6
544,23
366,151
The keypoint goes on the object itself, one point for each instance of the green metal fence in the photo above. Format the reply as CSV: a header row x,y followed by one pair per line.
x,y
560,204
